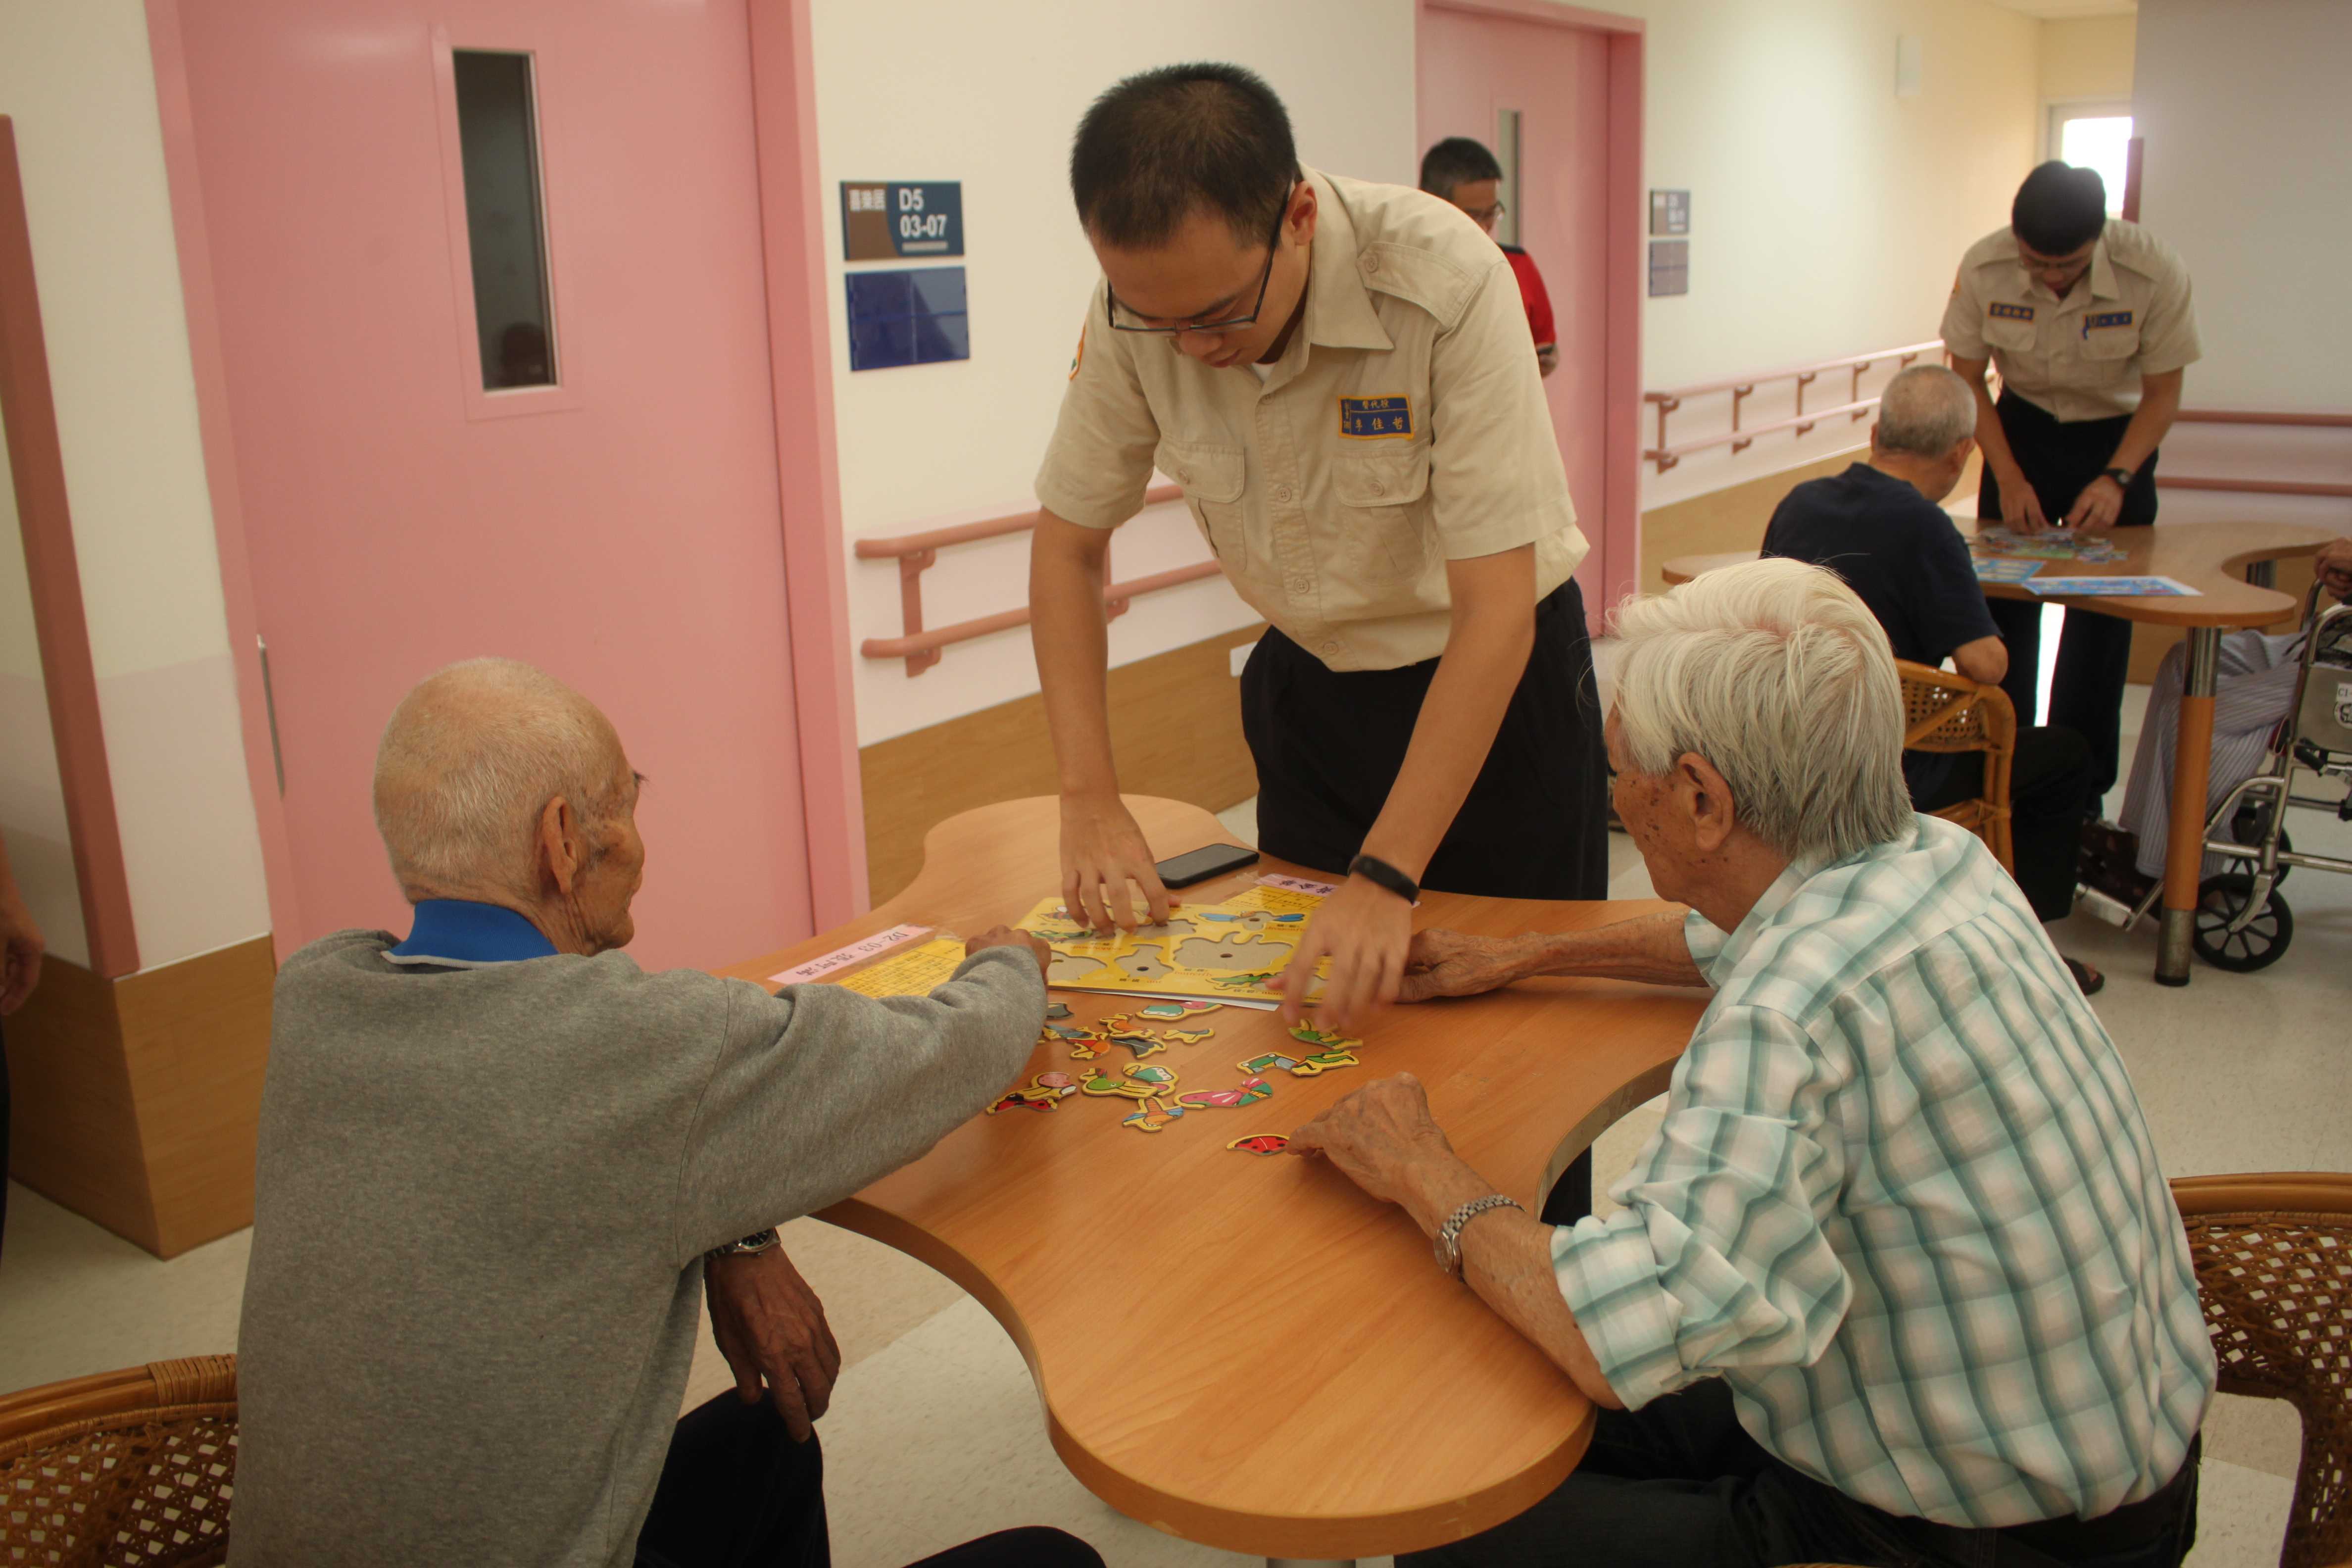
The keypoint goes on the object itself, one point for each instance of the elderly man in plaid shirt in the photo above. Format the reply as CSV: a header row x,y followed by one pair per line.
x,y
1900,1279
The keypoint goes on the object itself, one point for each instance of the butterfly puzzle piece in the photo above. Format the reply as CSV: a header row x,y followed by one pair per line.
x,y
1249,1093
1261,1144
1151,1116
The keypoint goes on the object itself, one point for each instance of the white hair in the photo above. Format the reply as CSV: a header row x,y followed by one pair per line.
x,y
468,762
1926,411
1777,674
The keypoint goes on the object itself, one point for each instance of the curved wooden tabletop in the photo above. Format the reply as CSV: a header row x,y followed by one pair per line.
x,y
2211,557
1247,1352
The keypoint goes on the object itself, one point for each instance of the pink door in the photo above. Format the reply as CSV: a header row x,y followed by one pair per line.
x,y
610,513
1502,79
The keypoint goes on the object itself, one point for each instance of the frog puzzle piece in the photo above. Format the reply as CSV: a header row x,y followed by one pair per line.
x,y
1151,1116
1308,1035
1250,1093
1178,1011
1261,1144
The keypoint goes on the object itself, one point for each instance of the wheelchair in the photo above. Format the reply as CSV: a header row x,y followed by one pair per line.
x,y
2241,923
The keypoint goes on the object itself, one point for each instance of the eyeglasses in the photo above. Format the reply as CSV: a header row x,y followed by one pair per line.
x,y
1485,217
1111,307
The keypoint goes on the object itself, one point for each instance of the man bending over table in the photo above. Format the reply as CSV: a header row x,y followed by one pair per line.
x,y
1899,1281
500,1163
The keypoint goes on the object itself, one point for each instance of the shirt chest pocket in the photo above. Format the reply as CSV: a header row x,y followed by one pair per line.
x,y
2110,337
2009,335
1213,477
1383,520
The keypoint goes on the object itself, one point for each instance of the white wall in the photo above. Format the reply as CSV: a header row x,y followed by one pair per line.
x,y
78,83
32,799
1827,215
2088,58
989,95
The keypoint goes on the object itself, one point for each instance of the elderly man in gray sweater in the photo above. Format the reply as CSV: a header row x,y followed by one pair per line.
x,y
500,1163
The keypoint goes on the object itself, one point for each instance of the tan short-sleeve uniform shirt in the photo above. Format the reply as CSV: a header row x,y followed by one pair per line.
x,y
2080,357
1404,426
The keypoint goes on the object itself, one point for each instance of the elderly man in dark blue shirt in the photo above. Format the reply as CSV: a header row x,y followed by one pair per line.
x,y
1879,526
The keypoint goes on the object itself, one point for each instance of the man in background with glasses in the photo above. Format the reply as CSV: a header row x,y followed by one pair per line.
x,y
1462,171
1337,375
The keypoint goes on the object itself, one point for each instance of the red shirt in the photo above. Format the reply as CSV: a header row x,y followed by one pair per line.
x,y
1531,290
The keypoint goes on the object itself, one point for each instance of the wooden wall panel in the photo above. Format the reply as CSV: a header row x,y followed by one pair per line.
x,y
136,1102
1176,731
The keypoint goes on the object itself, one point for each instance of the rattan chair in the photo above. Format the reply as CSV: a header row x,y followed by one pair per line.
x,y
1947,712
125,1469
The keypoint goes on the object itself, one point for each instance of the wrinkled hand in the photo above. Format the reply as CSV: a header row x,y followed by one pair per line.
x,y
770,1324
1366,931
1376,1136
1007,936
1102,851
2334,564
1448,964
2021,508
21,946
2095,509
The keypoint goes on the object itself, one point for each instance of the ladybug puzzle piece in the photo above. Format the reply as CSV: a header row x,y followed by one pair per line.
x,y
1261,1144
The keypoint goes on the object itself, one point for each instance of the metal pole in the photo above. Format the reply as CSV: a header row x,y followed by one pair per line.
x,y
2192,759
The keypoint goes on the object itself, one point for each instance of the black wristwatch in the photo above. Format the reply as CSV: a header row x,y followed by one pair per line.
x,y
2121,475
1384,874
757,1241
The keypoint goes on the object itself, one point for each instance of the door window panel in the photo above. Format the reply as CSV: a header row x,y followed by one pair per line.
x,y
506,227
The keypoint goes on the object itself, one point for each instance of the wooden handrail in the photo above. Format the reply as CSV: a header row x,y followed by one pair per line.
x,y
1856,407
918,552
2257,416
995,527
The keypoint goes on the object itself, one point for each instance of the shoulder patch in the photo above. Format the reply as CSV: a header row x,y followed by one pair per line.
x,y
2001,310
1376,418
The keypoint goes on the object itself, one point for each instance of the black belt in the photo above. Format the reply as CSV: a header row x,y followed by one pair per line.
x,y
2134,1525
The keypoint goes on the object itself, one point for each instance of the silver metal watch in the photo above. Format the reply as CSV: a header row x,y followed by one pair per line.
x,y
1447,1242
757,1241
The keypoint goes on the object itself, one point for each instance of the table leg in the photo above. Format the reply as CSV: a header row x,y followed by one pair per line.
x,y
2184,853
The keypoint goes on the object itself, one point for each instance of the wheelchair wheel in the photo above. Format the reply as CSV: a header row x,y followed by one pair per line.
x,y
2262,944
2246,827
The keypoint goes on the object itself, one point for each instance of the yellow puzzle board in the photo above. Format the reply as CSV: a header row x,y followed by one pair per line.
x,y
1231,950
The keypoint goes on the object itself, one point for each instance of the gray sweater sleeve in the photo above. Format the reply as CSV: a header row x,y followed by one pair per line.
x,y
817,1091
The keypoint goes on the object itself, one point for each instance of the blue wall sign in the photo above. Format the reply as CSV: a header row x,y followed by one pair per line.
x,y
891,220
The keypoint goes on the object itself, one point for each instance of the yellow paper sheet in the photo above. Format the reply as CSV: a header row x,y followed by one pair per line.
x,y
1231,951
912,972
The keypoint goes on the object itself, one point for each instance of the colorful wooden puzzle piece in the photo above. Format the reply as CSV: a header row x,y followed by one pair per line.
x,y
1249,1093
1261,1144
1045,1091
1151,1116
1308,1035
1177,1010
1135,1082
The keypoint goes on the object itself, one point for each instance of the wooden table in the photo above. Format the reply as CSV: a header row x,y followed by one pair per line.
x,y
1244,1350
2230,563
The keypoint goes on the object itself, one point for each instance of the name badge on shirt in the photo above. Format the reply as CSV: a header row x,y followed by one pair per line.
x,y
1376,418
2106,319
2001,310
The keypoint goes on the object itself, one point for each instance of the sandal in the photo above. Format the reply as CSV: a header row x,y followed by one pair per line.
x,y
2089,979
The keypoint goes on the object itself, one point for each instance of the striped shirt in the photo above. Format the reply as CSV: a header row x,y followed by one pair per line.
x,y
1903,1202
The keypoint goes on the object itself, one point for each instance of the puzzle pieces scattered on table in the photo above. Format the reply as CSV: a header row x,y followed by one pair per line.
x,y
1300,1066
1185,1037
1151,1116
1261,1144
1142,1042
1323,1039
1045,1092
1057,1009
1250,1093
1140,1081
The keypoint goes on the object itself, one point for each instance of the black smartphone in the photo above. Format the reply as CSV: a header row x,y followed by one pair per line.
x,y
1199,865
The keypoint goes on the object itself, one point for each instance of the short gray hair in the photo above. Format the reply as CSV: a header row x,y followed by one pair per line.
x,y
469,762
1926,411
1776,673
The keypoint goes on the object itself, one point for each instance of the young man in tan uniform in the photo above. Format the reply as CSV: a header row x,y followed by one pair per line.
x,y
2089,319
1337,375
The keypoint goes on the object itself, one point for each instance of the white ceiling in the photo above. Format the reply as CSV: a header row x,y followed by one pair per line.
x,y
2058,10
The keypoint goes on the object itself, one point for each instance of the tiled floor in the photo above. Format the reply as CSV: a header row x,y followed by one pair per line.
x,y
935,1434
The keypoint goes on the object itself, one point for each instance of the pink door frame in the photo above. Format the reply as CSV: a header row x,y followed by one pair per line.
x,y
801,364
1621,501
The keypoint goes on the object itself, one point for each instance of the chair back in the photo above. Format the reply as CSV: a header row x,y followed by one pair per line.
x,y
2273,1259
1947,712
125,1469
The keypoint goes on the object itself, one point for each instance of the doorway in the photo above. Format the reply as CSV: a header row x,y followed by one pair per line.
x,y
1557,94
590,481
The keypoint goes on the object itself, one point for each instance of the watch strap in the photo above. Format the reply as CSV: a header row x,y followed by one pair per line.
x,y
757,1241
1448,1242
2121,475
1381,874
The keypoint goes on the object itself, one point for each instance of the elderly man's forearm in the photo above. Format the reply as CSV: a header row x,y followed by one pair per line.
x,y
1648,948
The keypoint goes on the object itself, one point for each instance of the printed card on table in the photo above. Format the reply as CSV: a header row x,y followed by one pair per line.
x,y
2114,588
2006,571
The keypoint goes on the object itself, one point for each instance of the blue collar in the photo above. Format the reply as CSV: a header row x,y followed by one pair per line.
x,y
460,933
